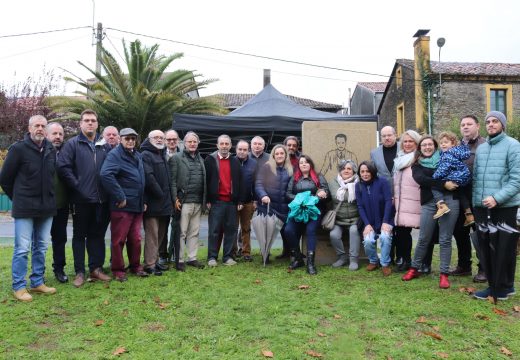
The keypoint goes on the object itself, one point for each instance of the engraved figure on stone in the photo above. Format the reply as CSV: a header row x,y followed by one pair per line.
x,y
334,156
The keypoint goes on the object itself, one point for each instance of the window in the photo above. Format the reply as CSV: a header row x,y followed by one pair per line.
x,y
399,77
400,119
500,98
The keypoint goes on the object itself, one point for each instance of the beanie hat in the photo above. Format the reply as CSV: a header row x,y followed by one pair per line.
x,y
500,116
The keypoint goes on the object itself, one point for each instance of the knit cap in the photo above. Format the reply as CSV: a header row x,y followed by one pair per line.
x,y
500,116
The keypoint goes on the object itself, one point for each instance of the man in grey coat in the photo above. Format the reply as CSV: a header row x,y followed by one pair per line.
x,y
383,156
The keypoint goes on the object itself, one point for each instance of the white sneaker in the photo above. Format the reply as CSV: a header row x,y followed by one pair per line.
x,y
212,263
230,262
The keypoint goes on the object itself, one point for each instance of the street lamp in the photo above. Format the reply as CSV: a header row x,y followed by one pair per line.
x,y
440,43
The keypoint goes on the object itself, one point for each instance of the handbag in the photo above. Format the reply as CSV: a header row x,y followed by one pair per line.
x,y
329,219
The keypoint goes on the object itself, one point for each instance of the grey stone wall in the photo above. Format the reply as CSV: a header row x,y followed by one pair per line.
x,y
394,96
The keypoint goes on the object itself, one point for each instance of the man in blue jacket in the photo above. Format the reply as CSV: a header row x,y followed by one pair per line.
x,y
27,177
123,178
79,163
496,191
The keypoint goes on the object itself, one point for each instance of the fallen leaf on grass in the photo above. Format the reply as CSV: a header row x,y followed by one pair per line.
x,y
436,328
162,306
336,316
314,353
467,290
157,299
482,317
321,334
289,270
516,308
499,312
421,320
303,287
258,281
4,301
506,351
433,335
267,353
106,285
120,350
388,357
196,348
442,355
105,302
99,322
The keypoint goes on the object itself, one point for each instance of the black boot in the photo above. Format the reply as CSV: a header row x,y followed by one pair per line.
x,y
295,260
311,269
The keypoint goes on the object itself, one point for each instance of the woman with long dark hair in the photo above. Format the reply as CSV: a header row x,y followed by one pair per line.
x,y
305,178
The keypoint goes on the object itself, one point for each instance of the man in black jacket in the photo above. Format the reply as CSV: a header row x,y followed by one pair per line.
x,y
158,200
27,177
223,179
79,163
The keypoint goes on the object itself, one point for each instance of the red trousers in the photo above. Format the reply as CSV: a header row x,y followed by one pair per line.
x,y
126,228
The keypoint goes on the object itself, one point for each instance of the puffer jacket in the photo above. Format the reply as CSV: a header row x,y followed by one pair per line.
x,y
306,184
407,199
274,186
157,192
496,171
348,212
452,166
185,183
122,175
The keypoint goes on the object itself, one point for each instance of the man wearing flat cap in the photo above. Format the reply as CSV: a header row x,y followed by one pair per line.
x,y
496,193
123,178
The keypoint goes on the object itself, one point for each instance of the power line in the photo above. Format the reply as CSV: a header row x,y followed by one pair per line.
x,y
41,48
45,32
248,54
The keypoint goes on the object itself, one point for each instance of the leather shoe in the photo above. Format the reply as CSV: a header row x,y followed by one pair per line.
x,y
283,255
460,271
43,289
153,271
121,278
180,267
403,266
61,277
140,273
195,263
162,267
372,267
79,280
247,258
22,295
98,274
480,277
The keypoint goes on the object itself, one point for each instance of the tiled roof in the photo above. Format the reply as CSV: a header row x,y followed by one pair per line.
x,y
233,101
466,68
374,86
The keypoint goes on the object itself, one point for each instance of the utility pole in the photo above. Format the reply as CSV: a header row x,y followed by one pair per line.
x,y
99,41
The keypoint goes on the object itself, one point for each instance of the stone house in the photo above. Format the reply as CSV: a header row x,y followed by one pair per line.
x,y
428,95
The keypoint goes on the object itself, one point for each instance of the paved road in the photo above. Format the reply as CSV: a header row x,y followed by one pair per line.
x,y
7,232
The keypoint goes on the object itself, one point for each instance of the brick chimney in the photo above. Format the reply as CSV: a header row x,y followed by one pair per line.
x,y
421,66
267,77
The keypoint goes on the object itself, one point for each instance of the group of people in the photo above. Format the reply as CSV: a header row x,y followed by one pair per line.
x,y
106,179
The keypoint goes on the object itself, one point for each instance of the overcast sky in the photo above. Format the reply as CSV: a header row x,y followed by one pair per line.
x,y
363,36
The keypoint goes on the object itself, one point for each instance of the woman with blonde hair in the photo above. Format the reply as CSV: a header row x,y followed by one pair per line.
x,y
271,185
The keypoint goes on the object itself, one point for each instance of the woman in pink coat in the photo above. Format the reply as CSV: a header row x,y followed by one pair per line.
x,y
407,199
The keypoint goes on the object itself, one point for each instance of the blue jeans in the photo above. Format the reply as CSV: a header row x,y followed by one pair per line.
x,y
294,231
370,242
30,234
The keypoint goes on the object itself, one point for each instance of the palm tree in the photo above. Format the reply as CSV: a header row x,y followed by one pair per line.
x,y
145,98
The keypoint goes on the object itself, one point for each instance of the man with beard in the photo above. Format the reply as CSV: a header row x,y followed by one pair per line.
x,y
157,197
79,164
55,136
292,144
27,178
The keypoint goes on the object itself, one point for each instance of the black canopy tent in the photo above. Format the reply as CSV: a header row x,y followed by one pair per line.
x,y
268,114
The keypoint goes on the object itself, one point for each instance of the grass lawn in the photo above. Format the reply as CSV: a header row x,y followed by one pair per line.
x,y
238,312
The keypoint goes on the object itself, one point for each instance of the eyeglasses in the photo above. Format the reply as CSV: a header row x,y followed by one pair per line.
x,y
129,138
173,139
